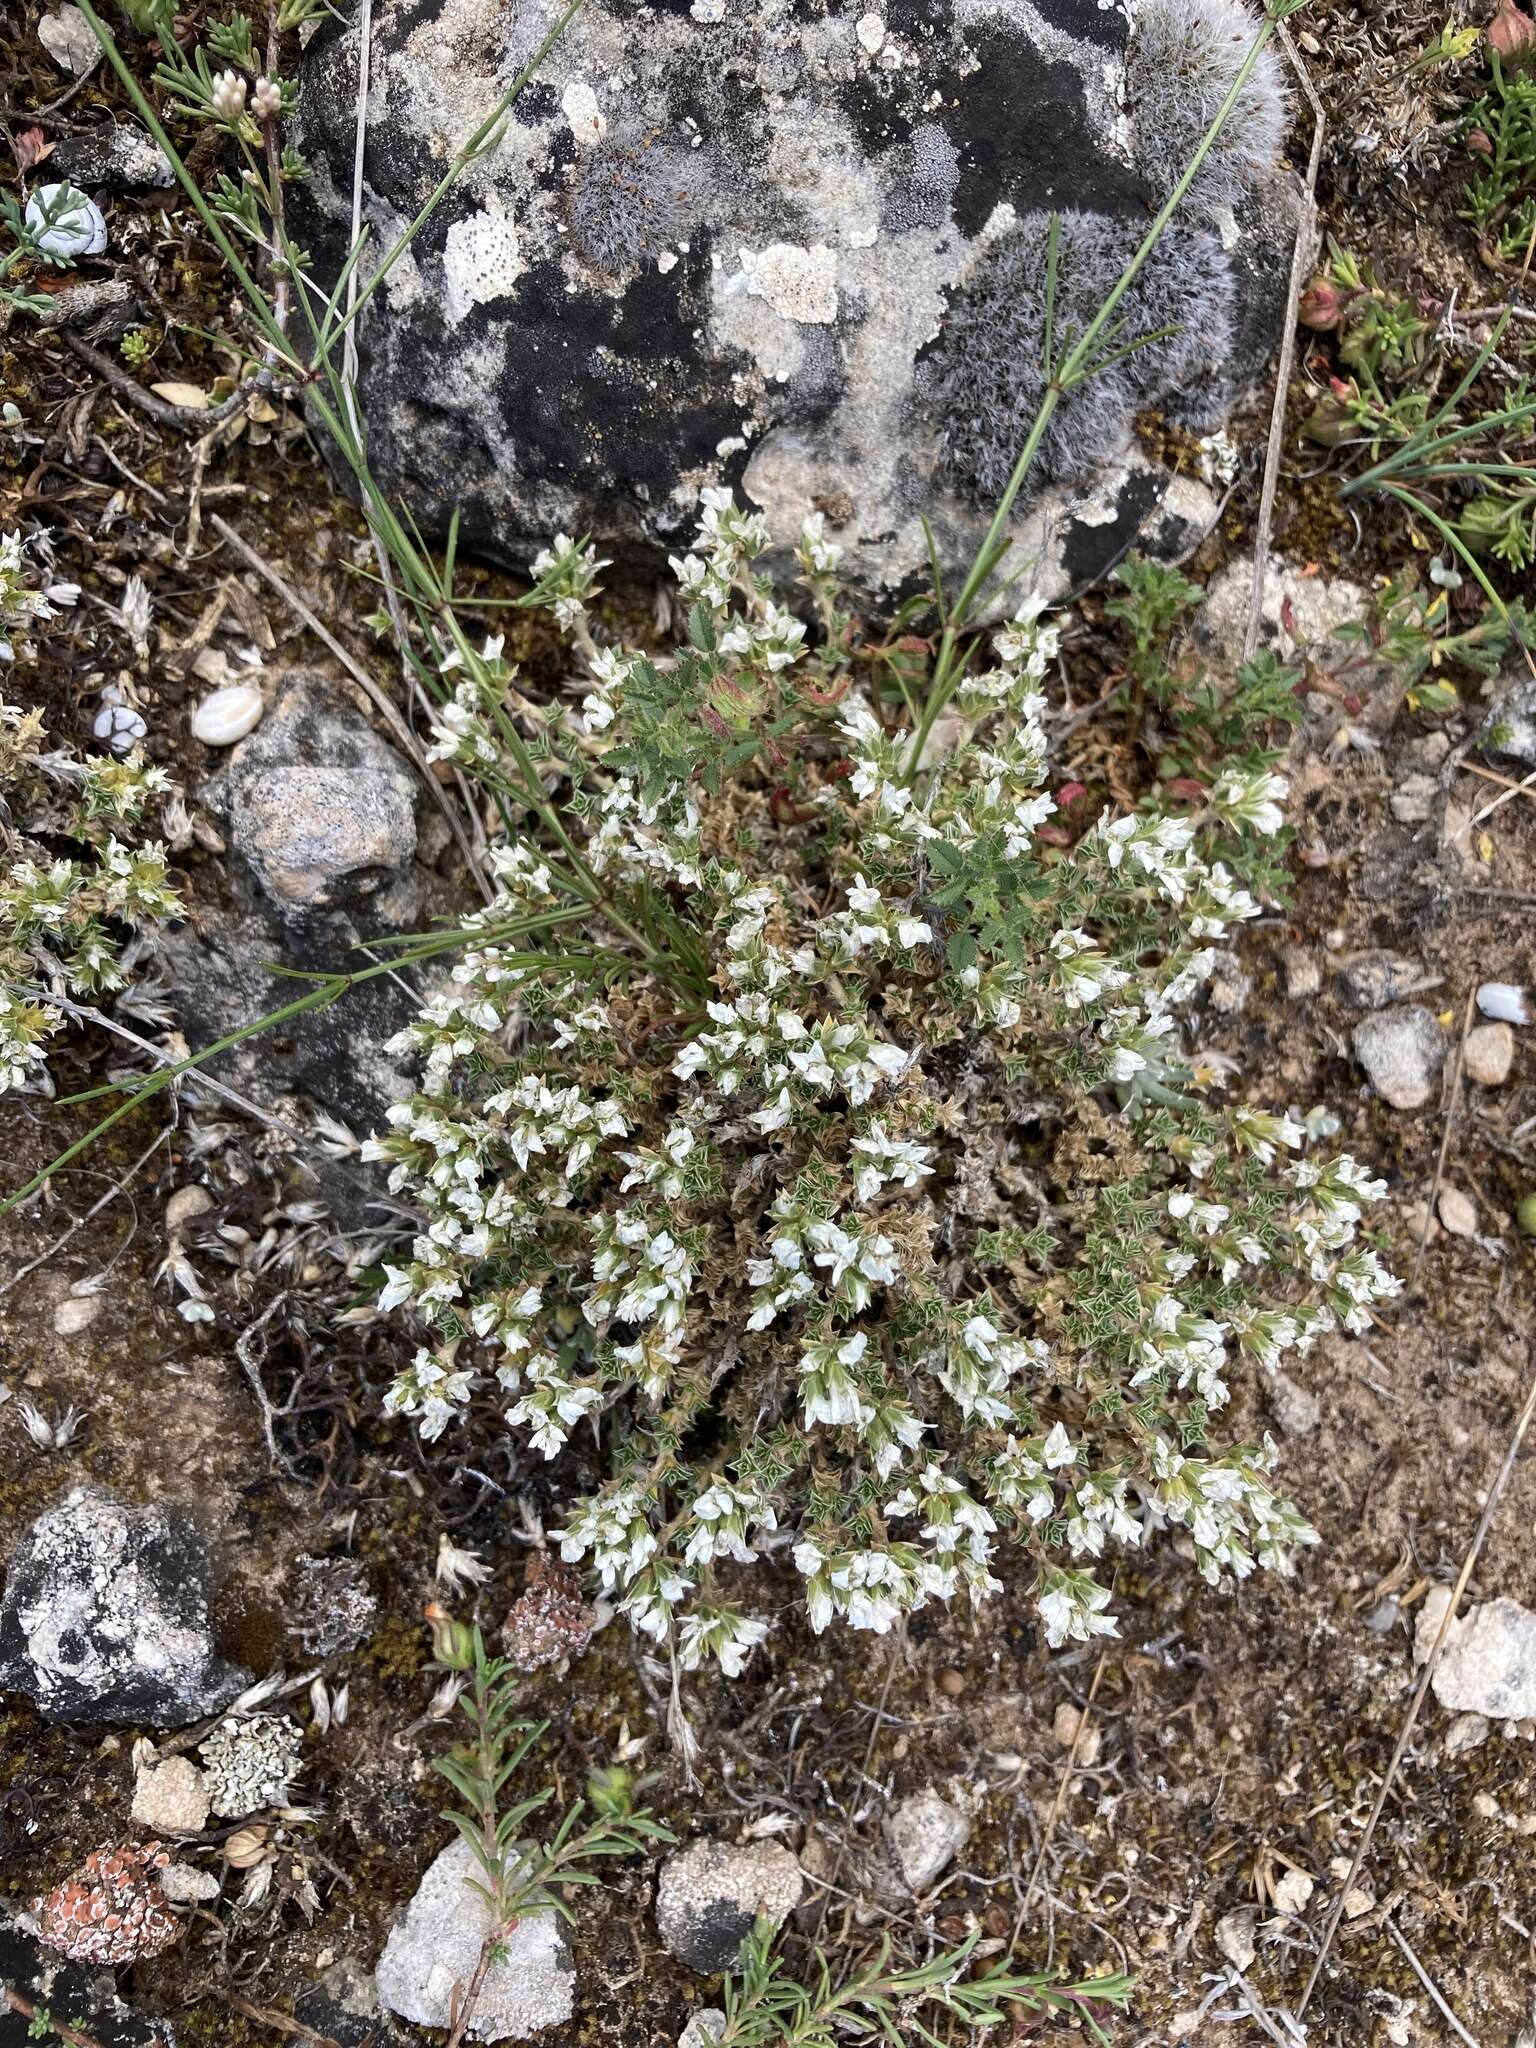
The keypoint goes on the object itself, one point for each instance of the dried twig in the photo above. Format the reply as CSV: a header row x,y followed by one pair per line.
x,y
1423,1976
283,2022
1301,256
161,409
1504,781
118,1187
1451,1107
72,2036
85,1013
1415,1705
1061,1794
250,1364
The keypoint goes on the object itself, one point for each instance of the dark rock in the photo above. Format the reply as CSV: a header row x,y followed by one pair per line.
x,y
116,154
83,1999
344,2007
223,967
105,1616
803,253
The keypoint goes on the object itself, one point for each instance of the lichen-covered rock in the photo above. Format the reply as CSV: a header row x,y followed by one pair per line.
x,y
1488,1663
711,1894
434,1947
803,251
1402,1051
321,807
116,154
105,1616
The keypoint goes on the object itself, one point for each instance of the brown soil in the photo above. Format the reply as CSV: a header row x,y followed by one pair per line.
x,y
1237,1739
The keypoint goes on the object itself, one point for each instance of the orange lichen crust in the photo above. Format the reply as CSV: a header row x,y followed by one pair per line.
x,y
112,1909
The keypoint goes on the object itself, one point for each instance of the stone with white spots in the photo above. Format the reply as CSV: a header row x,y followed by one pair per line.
x,y
814,240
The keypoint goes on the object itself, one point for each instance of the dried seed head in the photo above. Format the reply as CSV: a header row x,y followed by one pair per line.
x,y
246,1848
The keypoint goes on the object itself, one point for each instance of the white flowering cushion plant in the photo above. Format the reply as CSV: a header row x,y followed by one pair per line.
x,y
838,1158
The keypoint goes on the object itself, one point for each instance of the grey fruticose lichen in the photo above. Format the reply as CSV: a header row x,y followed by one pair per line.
x,y
801,251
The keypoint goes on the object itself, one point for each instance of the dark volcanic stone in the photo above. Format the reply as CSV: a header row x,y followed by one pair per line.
x,y
800,251
72,1996
105,1616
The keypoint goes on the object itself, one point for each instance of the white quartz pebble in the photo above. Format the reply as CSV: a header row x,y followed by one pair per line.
x,y
67,222
1503,1000
228,715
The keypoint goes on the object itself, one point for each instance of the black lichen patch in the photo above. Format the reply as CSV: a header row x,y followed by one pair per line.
x,y
713,1937
922,172
1090,21
586,385
1023,133
1089,552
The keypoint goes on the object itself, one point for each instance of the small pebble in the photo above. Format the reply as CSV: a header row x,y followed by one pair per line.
x,y
704,2029
120,726
1065,1724
186,1204
1466,1732
1458,1212
1293,1891
1303,976
1402,1051
1372,980
1525,1216
1412,799
185,1885
1490,1053
952,1682
66,221
1234,1937
171,1797
75,1315
228,715
1297,1411
1504,1001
